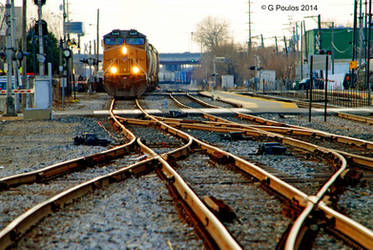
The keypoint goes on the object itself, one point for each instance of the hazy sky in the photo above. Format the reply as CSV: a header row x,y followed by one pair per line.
x,y
168,24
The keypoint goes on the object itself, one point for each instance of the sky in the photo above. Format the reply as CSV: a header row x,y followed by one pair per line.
x,y
169,24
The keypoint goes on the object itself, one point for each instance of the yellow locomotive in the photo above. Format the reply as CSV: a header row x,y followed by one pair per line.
x,y
130,65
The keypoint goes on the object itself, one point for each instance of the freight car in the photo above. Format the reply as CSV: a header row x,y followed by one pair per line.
x,y
130,65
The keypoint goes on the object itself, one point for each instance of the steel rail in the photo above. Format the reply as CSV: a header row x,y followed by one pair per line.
x,y
359,160
357,118
297,197
24,222
349,227
294,236
59,169
216,230
275,183
352,158
298,130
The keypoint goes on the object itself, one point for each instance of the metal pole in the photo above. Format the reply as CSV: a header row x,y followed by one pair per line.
x,y
15,62
305,39
354,33
214,65
41,42
311,83
319,31
24,48
360,33
333,48
98,41
301,51
326,86
249,45
9,105
286,48
24,38
368,53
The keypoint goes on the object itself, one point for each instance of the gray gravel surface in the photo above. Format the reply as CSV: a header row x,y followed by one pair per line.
x,y
135,214
334,124
259,222
113,217
31,145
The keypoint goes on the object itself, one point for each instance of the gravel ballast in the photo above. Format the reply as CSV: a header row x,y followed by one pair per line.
x,y
138,212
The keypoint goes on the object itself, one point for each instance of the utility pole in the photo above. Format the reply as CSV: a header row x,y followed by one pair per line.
x,y
301,51
276,45
286,48
354,42
305,40
9,105
98,41
24,38
15,62
319,31
249,45
354,33
262,41
333,48
368,53
361,34
41,42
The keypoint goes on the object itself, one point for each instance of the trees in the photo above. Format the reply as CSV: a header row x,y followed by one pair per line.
x,y
51,51
211,33
214,35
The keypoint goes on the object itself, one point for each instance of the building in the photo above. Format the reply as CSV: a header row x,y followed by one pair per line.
x,y
339,42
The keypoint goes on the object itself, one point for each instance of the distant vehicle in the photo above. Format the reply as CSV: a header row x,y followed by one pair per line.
x,y
131,64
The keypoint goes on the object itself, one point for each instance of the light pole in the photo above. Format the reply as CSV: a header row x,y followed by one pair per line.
x,y
9,105
41,57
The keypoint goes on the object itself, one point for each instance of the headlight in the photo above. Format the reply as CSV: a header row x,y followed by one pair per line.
x,y
113,70
124,50
135,69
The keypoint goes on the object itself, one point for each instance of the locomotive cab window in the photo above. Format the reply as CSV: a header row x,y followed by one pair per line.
x,y
113,40
135,40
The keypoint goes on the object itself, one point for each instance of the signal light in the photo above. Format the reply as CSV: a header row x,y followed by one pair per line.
x,y
44,28
36,2
124,50
2,55
135,69
114,70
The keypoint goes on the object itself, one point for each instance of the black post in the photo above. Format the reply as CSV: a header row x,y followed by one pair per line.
x,y
311,83
326,86
354,41
319,32
368,53
354,33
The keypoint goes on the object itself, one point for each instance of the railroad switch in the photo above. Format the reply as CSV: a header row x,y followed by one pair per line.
x,y
233,136
272,148
90,140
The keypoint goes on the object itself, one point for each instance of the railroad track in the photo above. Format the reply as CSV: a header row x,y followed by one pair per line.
x,y
199,204
305,147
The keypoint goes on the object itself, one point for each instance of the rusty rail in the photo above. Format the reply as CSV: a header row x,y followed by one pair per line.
x,y
295,236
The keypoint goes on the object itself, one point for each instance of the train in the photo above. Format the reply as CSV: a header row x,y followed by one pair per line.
x,y
130,64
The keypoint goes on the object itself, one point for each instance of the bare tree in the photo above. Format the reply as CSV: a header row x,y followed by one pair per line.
x,y
212,32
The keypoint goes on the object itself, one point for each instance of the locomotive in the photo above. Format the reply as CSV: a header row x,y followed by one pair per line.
x,y
130,64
